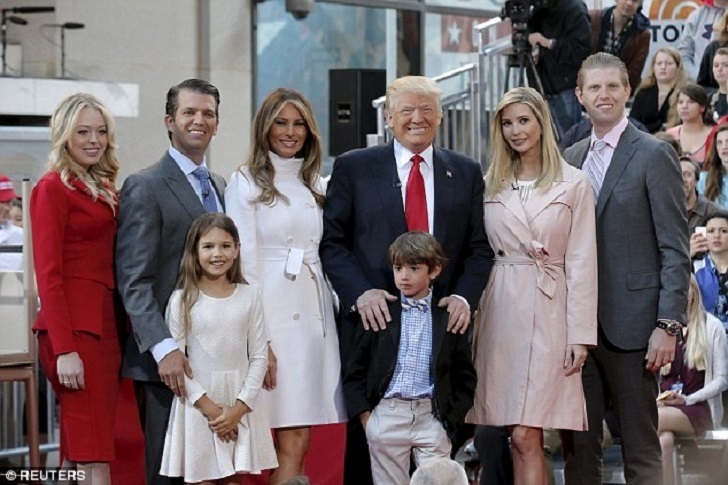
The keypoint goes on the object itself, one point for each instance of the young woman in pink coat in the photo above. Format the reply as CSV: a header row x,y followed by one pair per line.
x,y
538,314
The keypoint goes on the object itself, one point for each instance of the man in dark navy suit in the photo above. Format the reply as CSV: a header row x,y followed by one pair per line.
x,y
377,193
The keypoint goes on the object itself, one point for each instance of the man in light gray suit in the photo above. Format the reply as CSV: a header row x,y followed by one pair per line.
x,y
157,207
644,269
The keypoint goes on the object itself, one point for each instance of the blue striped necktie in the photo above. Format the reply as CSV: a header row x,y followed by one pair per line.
x,y
595,167
208,196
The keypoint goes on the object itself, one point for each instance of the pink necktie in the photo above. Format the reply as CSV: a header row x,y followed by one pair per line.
x,y
415,210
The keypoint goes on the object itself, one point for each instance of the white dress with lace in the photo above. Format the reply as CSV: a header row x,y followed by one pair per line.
x,y
227,352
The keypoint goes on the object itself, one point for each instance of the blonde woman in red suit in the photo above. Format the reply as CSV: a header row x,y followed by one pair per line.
x,y
73,216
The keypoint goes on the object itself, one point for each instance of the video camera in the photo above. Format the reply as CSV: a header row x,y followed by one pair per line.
x,y
519,11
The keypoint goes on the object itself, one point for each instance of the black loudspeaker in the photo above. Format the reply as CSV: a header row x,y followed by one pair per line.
x,y
351,116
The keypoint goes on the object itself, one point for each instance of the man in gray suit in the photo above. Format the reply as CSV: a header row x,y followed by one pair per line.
x,y
644,269
157,207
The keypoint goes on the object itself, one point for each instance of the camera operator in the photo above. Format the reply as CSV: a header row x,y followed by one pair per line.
x,y
560,32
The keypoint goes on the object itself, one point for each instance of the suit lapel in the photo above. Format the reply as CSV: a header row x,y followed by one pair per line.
x,y
386,181
445,181
539,199
219,185
623,154
180,187
395,326
511,200
439,330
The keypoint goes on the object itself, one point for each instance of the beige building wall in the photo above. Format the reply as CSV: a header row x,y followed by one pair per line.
x,y
154,44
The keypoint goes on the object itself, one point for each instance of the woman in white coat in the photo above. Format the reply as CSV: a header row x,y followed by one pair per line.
x,y
275,199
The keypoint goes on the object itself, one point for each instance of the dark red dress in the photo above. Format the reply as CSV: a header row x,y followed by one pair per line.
x,y
73,248
692,380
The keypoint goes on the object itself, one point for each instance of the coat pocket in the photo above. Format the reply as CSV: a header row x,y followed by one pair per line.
x,y
641,280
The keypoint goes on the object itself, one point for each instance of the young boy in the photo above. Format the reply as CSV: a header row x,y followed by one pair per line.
x,y
720,73
412,382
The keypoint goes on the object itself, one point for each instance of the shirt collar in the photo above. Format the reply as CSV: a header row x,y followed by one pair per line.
x,y
403,155
185,163
613,135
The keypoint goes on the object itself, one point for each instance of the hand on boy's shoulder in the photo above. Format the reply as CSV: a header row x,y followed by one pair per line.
x,y
459,313
373,309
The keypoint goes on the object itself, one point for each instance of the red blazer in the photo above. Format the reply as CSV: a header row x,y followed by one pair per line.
x,y
73,248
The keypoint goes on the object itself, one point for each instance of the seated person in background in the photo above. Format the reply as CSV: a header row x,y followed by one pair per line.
x,y
712,183
16,212
622,30
670,140
413,380
705,73
711,272
699,208
718,101
692,119
690,403
10,234
658,89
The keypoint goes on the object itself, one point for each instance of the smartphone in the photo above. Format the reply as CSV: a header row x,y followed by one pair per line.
x,y
702,230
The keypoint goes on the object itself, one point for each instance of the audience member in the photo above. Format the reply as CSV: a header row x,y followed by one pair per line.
x,y
698,32
670,140
413,379
712,271
642,290
376,194
658,90
713,183
690,402
560,30
698,206
622,30
718,102
695,121
215,434
73,211
705,74
10,234
157,208
276,199
440,471
16,212
546,254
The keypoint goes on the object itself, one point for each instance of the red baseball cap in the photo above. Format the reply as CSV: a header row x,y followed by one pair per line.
x,y
7,189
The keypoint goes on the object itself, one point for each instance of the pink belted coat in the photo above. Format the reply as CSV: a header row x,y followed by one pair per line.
x,y
541,297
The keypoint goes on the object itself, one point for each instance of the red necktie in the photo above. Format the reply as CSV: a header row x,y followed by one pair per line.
x,y
415,201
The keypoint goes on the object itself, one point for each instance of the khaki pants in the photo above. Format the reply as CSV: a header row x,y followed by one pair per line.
x,y
397,428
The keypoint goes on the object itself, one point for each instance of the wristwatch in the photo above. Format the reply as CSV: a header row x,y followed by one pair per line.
x,y
671,327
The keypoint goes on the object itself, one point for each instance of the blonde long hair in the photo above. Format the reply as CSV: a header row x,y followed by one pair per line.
x,y
190,270
696,346
100,178
505,161
258,162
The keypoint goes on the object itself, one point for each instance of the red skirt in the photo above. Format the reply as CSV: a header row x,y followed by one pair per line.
x,y
87,415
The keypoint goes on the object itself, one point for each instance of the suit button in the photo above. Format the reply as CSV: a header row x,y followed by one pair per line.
x,y
296,316
501,253
289,239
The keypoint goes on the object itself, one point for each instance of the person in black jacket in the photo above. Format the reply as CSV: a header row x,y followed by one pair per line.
x,y
560,33
412,382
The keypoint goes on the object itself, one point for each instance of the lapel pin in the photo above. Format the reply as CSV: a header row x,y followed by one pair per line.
x,y
448,174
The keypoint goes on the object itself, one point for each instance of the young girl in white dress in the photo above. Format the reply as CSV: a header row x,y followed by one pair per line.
x,y
217,319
